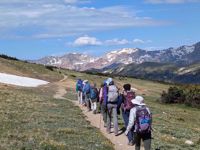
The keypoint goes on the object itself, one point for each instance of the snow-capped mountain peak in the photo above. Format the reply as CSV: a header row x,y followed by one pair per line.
x,y
128,50
78,61
113,55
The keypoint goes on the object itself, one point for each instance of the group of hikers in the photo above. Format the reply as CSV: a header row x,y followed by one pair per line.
x,y
110,102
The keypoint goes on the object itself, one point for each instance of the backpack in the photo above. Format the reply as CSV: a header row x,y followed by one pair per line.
x,y
105,95
93,93
143,120
87,88
112,93
128,104
79,85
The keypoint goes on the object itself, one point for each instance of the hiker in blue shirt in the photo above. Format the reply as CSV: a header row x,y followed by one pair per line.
x,y
86,92
79,88
93,98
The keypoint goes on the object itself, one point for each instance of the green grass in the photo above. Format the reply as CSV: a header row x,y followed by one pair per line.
x,y
33,120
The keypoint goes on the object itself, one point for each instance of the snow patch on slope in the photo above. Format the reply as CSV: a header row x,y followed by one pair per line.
x,y
20,81
183,51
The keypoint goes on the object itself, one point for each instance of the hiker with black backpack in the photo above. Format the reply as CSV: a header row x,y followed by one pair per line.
x,y
126,106
93,98
79,88
141,118
112,107
86,92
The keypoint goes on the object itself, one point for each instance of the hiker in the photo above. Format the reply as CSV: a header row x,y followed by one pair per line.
x,y
104,102
112,107
141,118
126,106
79,88
100,96
86,91
93,98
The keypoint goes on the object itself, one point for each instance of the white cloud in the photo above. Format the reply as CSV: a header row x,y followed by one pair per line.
x,y
75,1
170,1
47,18
70,1
138,41
93,41
117,42
87,41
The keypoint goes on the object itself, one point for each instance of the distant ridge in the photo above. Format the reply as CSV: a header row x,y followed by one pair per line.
x,y
183,55
175,65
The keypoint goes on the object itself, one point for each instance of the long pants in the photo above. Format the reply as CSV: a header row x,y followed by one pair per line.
x,y
80,97
146,139
125,115
112,111
104,112
93,105
87,100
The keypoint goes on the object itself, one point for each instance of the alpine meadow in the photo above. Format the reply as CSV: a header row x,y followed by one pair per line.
x,y
99,75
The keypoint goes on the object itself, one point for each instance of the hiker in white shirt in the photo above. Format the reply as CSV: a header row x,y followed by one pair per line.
x,y
142,127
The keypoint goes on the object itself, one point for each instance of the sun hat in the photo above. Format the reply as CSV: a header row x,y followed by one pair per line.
x,y
138,100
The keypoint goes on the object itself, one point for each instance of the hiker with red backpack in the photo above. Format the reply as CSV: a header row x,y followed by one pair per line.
x,y
79,88
93,98
126,106
86,92
112,107
141,118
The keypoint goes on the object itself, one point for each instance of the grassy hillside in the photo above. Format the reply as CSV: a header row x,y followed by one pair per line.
x,y
26,69
173,124
33,119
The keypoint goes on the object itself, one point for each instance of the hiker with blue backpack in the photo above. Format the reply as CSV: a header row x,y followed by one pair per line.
x,y
86,92
141,118
126,106
79,88
112,107
93,98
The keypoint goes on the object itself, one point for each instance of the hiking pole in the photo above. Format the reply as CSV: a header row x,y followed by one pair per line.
x,y
100,122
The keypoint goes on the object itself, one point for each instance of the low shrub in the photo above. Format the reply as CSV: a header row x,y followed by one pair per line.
x,y
189,95
193,97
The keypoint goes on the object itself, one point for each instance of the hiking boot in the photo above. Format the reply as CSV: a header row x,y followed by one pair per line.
x,y
131,143
94,112
108,132
89,110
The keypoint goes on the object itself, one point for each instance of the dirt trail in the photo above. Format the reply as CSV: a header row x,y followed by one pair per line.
x,y
120,142
61,85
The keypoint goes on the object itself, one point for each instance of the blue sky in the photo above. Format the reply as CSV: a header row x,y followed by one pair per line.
x,y
31,29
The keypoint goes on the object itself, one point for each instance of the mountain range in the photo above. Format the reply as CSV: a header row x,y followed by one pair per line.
x,y
164,64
